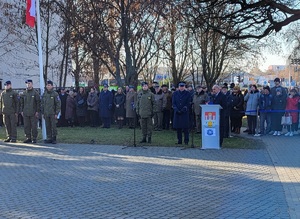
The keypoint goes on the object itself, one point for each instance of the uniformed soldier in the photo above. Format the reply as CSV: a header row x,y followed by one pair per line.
x,y
30,108
144,109
9,108
50,110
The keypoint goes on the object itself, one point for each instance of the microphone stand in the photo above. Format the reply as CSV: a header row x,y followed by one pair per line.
x,y
134,133
192,131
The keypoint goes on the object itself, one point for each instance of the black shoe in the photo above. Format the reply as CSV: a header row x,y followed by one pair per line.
x,y
178,142
13,140
28,140
247,130
143,140
33,141
7,140
48,141
54,140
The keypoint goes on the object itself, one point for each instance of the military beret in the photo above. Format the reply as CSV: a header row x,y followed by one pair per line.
x,y
27,81
7,83
50,82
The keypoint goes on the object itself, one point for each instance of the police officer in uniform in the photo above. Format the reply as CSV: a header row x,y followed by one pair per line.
x,y
50,109
30,108
9,108
144,109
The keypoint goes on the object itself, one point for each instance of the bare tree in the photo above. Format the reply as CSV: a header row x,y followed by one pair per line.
x,y
249,19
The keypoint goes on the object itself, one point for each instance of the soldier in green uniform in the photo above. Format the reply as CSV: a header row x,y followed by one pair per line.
x,y
30,108
144,109
50,109
9,108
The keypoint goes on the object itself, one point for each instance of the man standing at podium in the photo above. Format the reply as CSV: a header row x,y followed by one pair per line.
x,y
219,98
181,102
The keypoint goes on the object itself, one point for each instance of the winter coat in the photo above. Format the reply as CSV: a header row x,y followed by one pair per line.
x,y
119,102
131,98
159,103
199,98
278,102
265,102
292,106
9,103
252,99
237,105
167,101
145,104
181,102
63,100
92,101
105,104
283,91
81,106
70,107
30,102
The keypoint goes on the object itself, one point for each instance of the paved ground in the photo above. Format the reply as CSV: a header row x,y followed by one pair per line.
x,y
95,181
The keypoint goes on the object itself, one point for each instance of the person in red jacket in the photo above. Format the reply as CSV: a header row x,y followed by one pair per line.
x,y
292,109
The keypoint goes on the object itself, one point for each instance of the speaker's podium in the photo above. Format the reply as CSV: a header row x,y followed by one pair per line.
x,y
210,119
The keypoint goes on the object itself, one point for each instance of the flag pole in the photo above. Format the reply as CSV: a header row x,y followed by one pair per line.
x,y
42,82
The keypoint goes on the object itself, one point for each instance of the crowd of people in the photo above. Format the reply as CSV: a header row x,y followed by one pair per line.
x,y
153,108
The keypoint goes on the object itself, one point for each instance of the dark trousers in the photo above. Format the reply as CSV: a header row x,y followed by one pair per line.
x,y
93,118
166,119
147,126
30,127
293,127
186,135
252,121
226,127
106,122
51,129
265,118
81,120
10,122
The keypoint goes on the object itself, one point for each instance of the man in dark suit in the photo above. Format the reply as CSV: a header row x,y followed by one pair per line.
x,y
219,98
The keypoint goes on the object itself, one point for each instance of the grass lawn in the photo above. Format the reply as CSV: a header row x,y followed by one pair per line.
x,y
114,136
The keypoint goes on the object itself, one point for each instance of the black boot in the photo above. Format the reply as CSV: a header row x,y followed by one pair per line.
x,y
48,141
7,140
28,140
143,140
54,140
149,140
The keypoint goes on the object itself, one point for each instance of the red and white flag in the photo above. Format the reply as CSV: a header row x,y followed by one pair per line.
x,y
30,13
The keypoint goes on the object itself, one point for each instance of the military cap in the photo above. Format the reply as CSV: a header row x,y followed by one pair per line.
x,y
181,84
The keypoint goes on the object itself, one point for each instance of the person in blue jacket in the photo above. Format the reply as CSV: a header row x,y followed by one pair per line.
x,y
105,106
181,102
